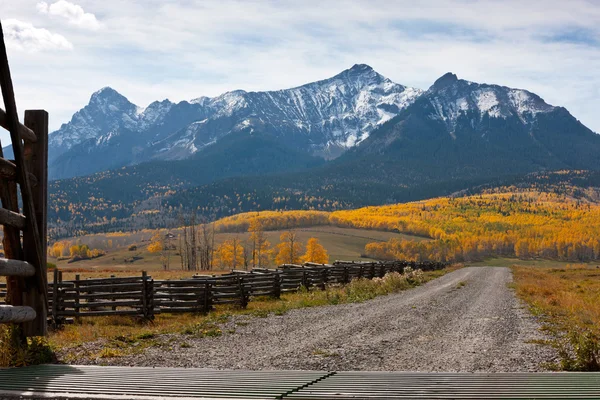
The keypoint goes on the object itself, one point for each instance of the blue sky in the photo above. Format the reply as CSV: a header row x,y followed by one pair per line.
x,y
62,51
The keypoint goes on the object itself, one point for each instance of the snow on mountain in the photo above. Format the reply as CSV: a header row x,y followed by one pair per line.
x,y
323,118
107,111
452,98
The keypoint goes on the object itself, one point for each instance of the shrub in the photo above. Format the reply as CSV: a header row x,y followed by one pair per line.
x,y
579,350
16,353
365,289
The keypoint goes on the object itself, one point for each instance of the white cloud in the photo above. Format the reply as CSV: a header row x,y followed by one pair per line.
x,y
153,49
24,36
71,12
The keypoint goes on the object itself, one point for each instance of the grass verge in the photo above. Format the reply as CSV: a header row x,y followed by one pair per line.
x,y
123,335
568,301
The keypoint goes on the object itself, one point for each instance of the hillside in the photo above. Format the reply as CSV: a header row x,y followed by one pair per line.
x,y
101,204
524,222
455,136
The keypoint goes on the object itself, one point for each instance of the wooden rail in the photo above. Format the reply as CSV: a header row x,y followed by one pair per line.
x,y
25,238
144,297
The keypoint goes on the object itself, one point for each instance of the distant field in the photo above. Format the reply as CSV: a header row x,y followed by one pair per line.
x,y
341,243
509,262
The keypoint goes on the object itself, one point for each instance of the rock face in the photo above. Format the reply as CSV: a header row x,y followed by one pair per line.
x,y
323,119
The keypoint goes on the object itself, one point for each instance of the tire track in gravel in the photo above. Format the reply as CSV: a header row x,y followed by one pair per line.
x,y
467,320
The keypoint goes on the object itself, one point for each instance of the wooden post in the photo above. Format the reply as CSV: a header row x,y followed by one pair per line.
x,y
243,294
207,297
276,285
304,279
36,163
144,294
78,294
150,300
55,299
112,290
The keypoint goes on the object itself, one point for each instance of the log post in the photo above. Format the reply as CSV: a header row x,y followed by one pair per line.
x,y
276,285
36,162
78,294
55,319
207,297
144,294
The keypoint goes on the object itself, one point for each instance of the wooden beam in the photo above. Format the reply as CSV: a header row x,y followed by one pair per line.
x,y
12,219
24,132
16,268
16,314
8,170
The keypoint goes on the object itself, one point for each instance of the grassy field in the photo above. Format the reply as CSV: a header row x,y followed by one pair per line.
x,y
509,262
341,244
568,300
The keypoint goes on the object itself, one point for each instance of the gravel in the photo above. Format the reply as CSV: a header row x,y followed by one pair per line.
x,y
466,321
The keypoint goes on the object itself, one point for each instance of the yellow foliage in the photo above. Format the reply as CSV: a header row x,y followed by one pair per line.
x,y
504,222
315,252
230,254
156,243
288,251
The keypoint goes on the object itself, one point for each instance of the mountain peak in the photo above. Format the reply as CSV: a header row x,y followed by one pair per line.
x,y
106,91
361,68
445,80
108,95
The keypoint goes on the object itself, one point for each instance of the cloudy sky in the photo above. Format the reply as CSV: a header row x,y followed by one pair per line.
x,y
62,51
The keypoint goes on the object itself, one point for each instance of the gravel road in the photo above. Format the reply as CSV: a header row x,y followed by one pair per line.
x,y
467,321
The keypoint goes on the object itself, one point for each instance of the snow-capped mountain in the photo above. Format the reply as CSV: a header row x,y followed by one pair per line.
x,y
323,118
461,129
452,98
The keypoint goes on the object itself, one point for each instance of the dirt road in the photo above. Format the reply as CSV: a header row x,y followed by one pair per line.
x,y
468,320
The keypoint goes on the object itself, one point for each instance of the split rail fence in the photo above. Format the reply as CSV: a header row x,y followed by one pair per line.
x,y
145,297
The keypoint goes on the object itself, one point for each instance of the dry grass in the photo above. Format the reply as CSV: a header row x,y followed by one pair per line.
x,y
341,243
569,301
125,334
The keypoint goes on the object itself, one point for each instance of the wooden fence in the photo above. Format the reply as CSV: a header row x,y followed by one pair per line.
x,y
145,297
23,193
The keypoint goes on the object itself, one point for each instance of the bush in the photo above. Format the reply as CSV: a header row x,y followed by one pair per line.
x,y
366,289
15,353
579,350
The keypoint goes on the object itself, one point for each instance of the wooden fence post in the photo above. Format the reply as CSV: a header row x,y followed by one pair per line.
x,y
112,290
55,320
305,280
36,161
208,297
276,285
243,295
78,294
144,294
150,298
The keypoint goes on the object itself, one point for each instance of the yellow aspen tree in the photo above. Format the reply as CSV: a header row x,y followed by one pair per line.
x,y
156,243
315,252
289,249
